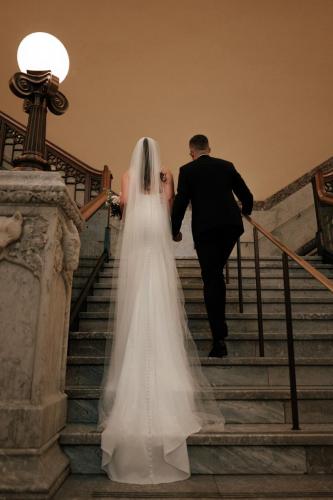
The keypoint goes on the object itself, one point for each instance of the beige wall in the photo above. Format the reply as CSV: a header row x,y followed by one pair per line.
x,y
256,76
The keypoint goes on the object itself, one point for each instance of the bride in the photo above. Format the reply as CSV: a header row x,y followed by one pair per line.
x,y
154,393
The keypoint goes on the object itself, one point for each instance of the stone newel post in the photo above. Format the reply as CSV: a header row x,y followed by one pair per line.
x,y
39,250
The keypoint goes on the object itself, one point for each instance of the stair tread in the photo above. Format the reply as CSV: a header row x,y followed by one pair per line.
x,y
202,486
293,274
226,361
233,259
234,300
228,393
206,335
246,264
266,286
235,315
265,257
195,271
231,434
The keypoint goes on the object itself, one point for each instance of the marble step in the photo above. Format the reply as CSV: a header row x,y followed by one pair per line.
x,y
232,263
189,261
263,257
310,289
269,304
249,293
238,404
192,266
296,282
239,449
229,371
246,265
242,344
300,281
232,486
237,322
196,273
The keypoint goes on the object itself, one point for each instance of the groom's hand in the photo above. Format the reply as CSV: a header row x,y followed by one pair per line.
x,y
178,237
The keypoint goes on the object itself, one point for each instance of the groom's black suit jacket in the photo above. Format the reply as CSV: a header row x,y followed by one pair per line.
x,y
210,184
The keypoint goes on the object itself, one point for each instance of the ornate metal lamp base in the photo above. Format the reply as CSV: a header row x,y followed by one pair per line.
x,y
39,89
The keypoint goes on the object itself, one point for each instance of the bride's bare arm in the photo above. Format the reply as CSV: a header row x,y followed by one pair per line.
x,y
168,187
124,191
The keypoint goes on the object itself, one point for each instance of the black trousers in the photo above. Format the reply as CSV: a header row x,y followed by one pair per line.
x,y
214,248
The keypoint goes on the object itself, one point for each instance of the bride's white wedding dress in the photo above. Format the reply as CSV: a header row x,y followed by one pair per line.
x,y
154,394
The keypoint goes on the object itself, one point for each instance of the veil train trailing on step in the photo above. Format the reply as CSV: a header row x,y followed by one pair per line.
x,y
154,392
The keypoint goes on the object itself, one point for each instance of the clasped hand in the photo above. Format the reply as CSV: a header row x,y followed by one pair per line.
x,y
178,237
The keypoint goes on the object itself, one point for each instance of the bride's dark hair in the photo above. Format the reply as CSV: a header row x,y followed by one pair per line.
x,y
146,168
146,165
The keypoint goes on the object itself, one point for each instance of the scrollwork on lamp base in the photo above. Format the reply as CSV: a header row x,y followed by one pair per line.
x,y
39,89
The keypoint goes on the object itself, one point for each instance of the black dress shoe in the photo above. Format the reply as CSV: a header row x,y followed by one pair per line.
x,y
219,350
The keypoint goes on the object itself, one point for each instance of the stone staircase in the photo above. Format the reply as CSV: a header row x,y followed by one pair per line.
x,y
258,455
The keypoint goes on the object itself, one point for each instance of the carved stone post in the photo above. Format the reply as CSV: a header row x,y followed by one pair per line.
x,y
39,250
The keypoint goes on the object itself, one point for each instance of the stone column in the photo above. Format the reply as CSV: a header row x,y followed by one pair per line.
x,y
39,250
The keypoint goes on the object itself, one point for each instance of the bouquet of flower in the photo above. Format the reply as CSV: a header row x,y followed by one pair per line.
x,y
113,202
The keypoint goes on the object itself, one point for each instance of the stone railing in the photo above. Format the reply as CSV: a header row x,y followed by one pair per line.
x,y
39,250
83,181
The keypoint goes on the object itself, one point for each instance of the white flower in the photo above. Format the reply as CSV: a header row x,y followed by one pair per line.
x,y
115,199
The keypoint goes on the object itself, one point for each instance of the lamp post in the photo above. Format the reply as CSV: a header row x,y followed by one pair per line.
x,y
38,86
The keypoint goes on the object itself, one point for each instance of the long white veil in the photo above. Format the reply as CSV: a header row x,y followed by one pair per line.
x,y
153,387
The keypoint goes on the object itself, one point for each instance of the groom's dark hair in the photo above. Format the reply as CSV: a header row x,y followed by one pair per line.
x,y
200,142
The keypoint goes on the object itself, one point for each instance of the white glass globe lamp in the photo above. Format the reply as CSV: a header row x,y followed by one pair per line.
x,y
43,52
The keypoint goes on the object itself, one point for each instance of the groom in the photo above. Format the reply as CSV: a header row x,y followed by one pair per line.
x,y
210,184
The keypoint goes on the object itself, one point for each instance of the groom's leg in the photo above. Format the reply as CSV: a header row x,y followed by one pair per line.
x,y
213,249
228,238
209,255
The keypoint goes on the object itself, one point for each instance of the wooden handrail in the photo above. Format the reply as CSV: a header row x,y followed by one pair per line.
x,y
326,282
106,178
95,204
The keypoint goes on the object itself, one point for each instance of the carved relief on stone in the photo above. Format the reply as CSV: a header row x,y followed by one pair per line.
x,y
27,251
10,229
67,247
58,254
71,246
66,251
71,253
45,194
